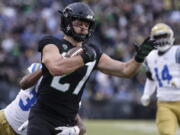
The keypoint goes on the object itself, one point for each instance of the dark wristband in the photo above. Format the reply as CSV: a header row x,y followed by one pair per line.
x,y
138,59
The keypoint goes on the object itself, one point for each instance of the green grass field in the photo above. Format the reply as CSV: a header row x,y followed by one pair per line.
x,y
120,127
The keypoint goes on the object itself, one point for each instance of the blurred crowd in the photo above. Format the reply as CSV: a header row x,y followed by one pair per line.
x,y
120,24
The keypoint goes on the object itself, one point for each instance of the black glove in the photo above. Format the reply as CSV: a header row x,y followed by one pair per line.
x,y
144,49
89,54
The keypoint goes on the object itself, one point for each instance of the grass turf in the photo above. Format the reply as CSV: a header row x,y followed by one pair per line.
x,y
120,127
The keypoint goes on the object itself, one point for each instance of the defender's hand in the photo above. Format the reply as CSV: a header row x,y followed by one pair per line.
x,y
89,54
145,100
144,49
68,130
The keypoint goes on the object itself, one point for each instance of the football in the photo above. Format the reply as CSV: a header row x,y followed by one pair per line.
x,y
74,52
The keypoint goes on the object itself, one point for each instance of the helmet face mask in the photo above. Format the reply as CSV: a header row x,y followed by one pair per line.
x,y
163,35
77,11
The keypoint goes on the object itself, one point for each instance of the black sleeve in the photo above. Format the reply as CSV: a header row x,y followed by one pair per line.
x,y
47,40
98,51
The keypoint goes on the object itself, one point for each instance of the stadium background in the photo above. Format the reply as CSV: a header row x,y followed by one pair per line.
x,y
120,23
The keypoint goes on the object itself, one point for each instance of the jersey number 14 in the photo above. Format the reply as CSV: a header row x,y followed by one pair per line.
x,y
164,74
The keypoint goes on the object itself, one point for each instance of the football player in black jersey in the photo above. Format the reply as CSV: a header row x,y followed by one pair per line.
x,y
64,79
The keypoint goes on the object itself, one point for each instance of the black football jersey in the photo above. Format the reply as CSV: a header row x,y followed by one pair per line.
x,y
59,96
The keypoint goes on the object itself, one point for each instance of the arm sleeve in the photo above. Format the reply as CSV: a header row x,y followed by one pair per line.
x,y
148,72
98,52
45,41
97,49
149,88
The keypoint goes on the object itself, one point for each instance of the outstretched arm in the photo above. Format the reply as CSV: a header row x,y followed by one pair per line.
x,y
110,66
30,79
126,69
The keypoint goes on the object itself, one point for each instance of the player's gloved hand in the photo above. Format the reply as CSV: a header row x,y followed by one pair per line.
x,y
68,130
144,49
89,54
145,100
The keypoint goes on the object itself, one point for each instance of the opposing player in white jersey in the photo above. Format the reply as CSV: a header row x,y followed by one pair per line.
x,y
16,113
164,76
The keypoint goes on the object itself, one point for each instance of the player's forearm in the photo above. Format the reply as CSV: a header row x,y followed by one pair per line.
x,y
120,69
131,67
80,125
57,64
65,66
30,79
117,68
149,88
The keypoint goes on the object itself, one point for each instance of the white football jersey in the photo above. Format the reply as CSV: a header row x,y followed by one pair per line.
x,y
165,70
17,111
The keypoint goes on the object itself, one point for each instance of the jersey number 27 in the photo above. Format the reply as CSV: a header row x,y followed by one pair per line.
x,y
65,87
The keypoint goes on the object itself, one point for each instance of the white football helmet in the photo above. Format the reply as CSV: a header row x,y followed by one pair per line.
x,y
164,36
